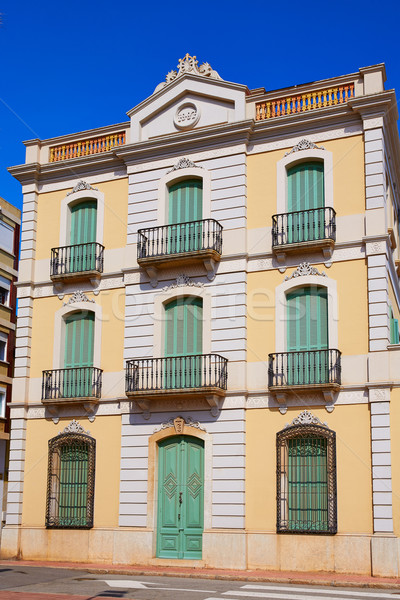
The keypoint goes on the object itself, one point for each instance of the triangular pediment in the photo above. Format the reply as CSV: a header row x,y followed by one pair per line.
x,y
188,100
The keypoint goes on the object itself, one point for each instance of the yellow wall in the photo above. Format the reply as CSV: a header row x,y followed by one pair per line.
x,y
107,432
395,449
6,259
352,426
353,316
348,180
112,335
115,217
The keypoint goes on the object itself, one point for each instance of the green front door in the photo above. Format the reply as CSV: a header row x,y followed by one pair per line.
x,y
183,339
185,213
305,183
307,336
83,231
180,497
78,357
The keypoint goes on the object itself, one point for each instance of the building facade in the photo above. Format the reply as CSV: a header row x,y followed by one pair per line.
x,y
208,351
10,221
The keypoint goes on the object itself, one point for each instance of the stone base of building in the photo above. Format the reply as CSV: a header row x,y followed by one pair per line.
x,y
367,554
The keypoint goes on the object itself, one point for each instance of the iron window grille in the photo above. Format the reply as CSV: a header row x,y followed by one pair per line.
x,y
70,481
306,480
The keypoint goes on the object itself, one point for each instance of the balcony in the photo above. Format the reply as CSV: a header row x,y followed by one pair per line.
x,y
178,244
80,261
203,375
71,386
306,370
304,230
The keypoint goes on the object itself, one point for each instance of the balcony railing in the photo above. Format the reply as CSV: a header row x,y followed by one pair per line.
x,y
181,238
302,102
308,368
79,258
73,383
87,147
202,371
303,226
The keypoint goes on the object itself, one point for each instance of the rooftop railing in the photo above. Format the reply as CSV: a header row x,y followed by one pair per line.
x,y
297,103
87,147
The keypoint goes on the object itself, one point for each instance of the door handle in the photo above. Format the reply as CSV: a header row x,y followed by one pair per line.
x,y
180,498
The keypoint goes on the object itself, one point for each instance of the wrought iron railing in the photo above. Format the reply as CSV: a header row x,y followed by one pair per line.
x,y
78,258
176,373
103,143
193,236
304,226
297,103
310,367
75,382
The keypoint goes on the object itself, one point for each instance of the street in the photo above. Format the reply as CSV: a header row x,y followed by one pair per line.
x,y
40,583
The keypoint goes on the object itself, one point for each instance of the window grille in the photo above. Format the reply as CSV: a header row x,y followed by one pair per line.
x,y
306,480
70,485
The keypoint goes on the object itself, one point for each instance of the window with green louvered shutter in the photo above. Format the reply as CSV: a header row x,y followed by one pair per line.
x,y
83,231
307,330
394,328
185,211
183,338
78,357
305,186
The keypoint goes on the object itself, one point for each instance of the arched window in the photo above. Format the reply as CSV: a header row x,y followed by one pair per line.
x,y
185,214
83,236
78,355
306,202
306,477
70,484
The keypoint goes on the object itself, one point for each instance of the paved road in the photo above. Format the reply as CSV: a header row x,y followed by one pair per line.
x,y
42,583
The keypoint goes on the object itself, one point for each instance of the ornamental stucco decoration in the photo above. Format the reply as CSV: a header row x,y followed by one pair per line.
x,y
178,424
304,144
189,64
303,269
181,281
306,418
74,427
183,163
81,186
78,296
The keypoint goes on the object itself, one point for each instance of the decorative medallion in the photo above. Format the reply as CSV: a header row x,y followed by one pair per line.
x,y
183,163
179,423
306,418
303,269
187,115
304,144
78,296
80,186
181,281
189,64
74,427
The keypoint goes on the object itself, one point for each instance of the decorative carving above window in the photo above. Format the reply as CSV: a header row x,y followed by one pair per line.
x,y
82,185
78,296
181,281
179,423
189,64
74,427
183,163
304,144
306,418
303,269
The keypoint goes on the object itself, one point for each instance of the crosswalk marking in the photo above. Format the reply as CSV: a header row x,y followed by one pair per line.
x,y
142,585
346,594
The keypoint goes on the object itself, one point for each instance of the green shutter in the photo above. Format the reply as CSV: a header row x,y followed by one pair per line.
x,y
185,206
394,328
83,231
79,347
307,479
307,329
183,337
305,185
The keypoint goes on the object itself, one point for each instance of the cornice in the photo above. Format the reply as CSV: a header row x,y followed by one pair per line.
x,y
200,139
375,104
27,173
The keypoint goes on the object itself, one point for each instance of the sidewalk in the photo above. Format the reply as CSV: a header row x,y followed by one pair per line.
x,y
309,578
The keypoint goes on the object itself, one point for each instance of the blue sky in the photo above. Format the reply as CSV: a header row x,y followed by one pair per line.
x,y
70,66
